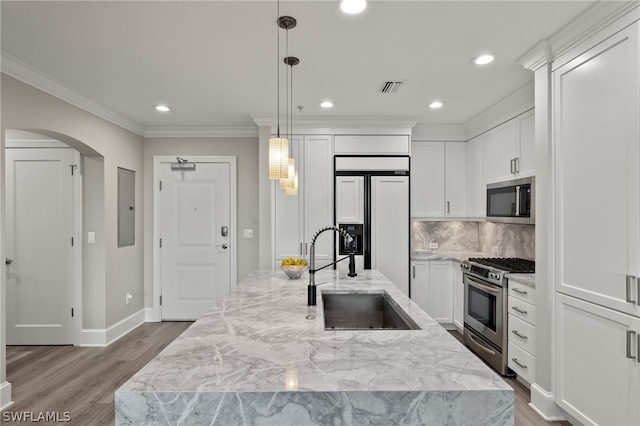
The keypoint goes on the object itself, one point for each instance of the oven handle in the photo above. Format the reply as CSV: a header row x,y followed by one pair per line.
x,y
480,345
478,284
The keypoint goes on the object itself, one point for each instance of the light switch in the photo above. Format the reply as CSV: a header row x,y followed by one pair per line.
x,y
248,233
91,237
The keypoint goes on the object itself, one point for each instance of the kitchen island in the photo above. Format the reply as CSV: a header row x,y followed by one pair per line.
x,y
261,356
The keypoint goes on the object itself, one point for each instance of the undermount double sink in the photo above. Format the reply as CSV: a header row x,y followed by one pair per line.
x,y
364,311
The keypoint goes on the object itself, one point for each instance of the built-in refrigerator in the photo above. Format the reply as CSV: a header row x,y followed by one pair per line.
x,y
372,204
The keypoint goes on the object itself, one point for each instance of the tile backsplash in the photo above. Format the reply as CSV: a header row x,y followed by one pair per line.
x,y
494,239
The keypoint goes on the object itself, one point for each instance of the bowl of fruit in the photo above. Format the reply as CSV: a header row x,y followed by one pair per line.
x,y
294,268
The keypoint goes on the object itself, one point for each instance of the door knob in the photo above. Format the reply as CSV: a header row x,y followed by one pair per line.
x,y
224,246
8,261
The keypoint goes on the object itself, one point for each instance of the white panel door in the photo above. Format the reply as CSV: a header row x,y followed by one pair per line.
x,y
441,291
420,284
526,160
427,179
458,296
487,152
597,173
597,368
506,150
349,199
390,228
474,187
456,179
39,225
195,253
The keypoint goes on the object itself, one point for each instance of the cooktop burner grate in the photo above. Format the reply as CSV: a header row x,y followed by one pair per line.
x,y
508,264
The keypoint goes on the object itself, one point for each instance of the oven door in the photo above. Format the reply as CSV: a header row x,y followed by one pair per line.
x,y
484,309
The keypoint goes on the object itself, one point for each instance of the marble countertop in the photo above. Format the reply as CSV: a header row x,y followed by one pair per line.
x,y
457,256
255,352
523,278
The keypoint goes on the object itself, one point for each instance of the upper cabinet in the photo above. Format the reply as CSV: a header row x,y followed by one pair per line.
x,y
371,144
438,179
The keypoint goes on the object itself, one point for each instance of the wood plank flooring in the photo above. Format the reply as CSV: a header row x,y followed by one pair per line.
x,y
82,381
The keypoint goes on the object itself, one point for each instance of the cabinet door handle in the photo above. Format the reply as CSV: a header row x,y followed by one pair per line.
x,y
630,279
519,335
414,271
518,363
448,207
305,248
517,290
515,308
631,333
517,164
511,167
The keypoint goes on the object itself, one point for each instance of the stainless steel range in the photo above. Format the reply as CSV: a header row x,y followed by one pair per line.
x,y
485,306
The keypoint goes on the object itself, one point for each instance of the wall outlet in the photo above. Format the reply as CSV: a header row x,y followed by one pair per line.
x,y
433,246
91,237
496,250
248,233
127,298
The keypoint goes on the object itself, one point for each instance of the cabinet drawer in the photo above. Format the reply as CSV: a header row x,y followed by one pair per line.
x,y
523,363
522,310
522,291
523,334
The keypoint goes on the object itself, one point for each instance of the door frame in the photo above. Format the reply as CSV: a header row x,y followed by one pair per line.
x,y
158,160
76,250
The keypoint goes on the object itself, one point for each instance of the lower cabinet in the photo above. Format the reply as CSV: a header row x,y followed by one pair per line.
x,y
597,363
458,297
522,330
432,288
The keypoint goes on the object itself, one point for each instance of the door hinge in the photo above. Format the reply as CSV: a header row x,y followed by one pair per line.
x,y
71,241
160,300
73,167
160,185
71,312
160,242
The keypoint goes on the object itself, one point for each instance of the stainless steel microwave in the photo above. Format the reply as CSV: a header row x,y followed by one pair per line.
x,y
512,201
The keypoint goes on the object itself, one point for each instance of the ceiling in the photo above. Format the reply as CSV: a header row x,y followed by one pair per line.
x,y
215,62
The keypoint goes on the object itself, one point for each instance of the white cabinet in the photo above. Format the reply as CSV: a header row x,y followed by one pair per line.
x,y
596,104
438,179
597,369
474,192
597,148
432,284
298,217
515,147
458,297
349,199
506,150
522,330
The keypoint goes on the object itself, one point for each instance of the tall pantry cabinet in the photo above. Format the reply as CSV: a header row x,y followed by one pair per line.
x,y
298,217
596,98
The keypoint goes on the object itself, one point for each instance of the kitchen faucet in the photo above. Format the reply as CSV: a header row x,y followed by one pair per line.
x,y
311,288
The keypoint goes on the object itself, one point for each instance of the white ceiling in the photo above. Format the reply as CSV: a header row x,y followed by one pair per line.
x,y
214,62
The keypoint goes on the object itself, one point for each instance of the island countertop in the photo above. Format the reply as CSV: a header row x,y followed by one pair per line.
x,y
257,358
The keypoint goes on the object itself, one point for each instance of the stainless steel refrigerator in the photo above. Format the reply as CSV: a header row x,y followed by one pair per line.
x,y
372,204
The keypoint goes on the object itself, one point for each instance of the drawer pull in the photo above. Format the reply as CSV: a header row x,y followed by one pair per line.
x,y
630,334
517,290
515,308
519,335
515,360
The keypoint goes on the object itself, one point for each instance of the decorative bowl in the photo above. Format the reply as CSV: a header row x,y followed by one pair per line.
x,y
294,272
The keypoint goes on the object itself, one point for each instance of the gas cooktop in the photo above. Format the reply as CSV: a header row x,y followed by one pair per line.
x,y
507,264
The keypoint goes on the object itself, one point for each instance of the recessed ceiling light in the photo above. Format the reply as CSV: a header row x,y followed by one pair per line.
x,y
353,6
326,104
483,59
162,108
436,105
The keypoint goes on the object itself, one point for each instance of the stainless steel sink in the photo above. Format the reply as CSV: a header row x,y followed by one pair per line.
x,y
364,311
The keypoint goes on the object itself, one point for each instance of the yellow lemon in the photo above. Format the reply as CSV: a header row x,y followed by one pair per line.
x,y
289,261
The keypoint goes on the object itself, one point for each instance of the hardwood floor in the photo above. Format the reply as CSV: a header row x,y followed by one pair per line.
x,y
524,414
81,381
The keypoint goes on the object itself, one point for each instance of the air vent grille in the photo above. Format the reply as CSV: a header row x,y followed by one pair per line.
x,y
390,86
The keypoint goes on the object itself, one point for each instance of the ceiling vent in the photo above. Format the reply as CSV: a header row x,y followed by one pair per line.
x,y
390,86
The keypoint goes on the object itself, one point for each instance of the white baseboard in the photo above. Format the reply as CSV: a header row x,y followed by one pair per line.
x,y
542,402
105,336
5,395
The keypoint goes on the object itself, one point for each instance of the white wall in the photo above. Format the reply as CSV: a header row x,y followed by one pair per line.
x,y
27,108
246,151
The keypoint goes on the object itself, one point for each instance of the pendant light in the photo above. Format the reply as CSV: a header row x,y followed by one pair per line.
x,y
278,146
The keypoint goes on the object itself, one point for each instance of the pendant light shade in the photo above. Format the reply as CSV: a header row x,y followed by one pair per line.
x,y
278,158
287,183
294,190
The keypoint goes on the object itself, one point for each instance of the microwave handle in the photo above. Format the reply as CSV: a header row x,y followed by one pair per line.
x,y
517,201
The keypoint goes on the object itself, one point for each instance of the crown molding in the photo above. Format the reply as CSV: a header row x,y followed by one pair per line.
x,y
342,125
19,70
439,132
592,20
201,132
515,104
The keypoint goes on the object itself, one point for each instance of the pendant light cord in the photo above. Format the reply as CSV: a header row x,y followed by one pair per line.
x,y
278,68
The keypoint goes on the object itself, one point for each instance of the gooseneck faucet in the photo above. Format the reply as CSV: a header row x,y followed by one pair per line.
x,y
311,288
